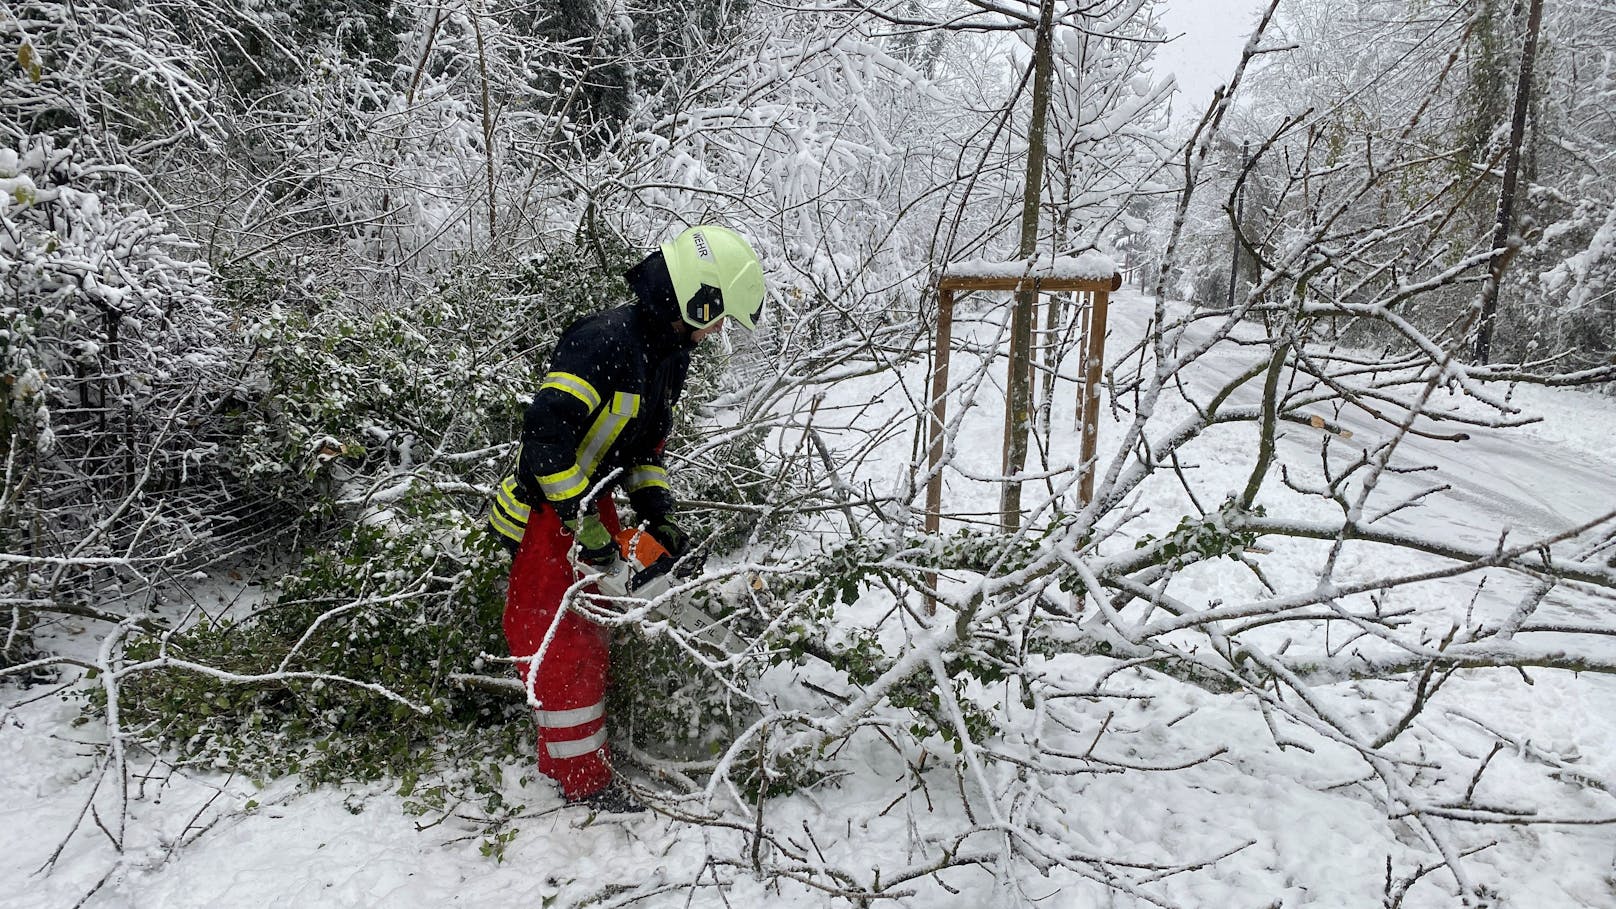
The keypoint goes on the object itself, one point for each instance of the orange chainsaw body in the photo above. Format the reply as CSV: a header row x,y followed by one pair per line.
x,y
648,561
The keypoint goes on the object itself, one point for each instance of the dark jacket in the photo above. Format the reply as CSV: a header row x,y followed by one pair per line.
x,y
636,370
605,405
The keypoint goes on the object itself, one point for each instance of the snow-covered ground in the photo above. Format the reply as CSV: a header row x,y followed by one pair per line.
x,y
1301,832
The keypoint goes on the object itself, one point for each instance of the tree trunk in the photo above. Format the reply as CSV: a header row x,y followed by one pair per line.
x,y
488,118
1018,382
1506,196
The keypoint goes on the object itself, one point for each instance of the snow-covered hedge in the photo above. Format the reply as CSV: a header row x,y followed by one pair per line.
x,y
115,361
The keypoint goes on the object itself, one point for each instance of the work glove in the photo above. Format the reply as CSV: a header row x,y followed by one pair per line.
x,y
672,537
595,546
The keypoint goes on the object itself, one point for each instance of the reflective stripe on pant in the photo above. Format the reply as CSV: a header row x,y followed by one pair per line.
x,y
571,682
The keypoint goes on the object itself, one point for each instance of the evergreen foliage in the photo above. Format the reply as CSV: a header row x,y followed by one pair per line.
x,y
401,602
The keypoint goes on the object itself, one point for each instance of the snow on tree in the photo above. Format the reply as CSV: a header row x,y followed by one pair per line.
x,y
116,361
1276,591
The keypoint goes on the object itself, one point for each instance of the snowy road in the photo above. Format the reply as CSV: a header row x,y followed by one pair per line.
x,y
1511,485
1498,479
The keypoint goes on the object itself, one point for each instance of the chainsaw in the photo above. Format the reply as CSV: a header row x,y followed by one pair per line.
x,y
646,571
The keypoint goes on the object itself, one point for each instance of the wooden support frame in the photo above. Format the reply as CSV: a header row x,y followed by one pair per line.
x,y
1093,367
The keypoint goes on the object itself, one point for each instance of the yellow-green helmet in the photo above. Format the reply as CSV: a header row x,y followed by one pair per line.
x,y
715,274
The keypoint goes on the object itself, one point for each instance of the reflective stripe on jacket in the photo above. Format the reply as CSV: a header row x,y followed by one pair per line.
x,y
606,404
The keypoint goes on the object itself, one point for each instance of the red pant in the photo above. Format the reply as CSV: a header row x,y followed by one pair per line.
x,y
570,685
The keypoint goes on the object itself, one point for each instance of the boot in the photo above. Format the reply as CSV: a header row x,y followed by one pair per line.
x,y
613,799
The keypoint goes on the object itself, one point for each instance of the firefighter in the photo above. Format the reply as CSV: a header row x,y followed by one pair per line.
x,y
598,422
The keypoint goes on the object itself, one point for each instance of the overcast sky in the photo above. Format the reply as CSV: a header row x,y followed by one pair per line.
x,y
1213,32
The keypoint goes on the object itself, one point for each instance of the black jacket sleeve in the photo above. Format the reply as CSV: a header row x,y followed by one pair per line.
x,y
647,481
